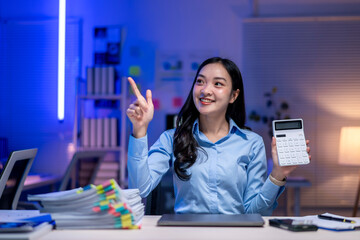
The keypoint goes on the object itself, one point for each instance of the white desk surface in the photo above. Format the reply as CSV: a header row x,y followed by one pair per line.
x,y
149,230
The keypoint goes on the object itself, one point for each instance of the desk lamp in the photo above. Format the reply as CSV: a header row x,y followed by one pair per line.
x,y
349,154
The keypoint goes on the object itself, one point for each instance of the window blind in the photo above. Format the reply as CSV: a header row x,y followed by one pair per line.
x,y
315,64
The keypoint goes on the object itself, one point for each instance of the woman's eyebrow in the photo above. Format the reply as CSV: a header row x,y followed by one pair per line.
x,y
215,78
220,78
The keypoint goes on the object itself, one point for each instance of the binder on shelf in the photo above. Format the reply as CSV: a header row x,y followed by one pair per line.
x,y
104,82
92,132
113,132
97,80
106,134
90,80
99,132
111,80
85,130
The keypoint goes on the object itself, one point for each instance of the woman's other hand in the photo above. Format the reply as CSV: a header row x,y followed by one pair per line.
x,y
141,111
281,172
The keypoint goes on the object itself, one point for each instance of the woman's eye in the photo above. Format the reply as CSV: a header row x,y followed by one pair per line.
x,y
199,81
218,84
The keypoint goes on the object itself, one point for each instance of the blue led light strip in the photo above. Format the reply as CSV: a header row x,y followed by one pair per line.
x,y
61,60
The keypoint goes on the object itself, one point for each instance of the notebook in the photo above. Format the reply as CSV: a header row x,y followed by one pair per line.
x,y
213,220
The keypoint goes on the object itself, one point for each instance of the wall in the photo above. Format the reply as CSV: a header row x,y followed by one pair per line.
x,y
160,26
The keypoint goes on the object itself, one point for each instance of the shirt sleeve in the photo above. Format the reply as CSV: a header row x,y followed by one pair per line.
x,y
146,167
261,194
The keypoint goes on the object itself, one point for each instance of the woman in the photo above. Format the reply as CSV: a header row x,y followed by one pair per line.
x,y
219,165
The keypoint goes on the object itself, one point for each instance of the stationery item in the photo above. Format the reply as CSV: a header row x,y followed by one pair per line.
x,y
330,224
11,215
32,232
293,225
24,224
220,220
104,206
326,217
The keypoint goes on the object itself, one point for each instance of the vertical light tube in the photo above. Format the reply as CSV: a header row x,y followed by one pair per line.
x,y
61,60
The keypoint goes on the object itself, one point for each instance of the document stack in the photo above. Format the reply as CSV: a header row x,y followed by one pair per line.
x,y
104,206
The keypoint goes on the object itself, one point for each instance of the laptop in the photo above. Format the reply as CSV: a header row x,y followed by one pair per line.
x,y
13,176
211,220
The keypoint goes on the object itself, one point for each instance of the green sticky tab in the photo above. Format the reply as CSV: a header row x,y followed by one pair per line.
x,y
135,71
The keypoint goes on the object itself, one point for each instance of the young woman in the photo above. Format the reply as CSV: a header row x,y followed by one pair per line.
x,y
219,164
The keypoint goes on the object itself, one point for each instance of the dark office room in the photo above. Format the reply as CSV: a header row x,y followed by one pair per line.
x,y
125,99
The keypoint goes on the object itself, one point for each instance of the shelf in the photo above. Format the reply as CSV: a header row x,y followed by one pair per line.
x,y
102,97
121,150
82,149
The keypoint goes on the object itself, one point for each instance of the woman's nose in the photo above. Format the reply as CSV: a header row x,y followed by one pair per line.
x,y
206,89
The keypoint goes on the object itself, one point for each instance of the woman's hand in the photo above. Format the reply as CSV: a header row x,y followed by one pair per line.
x,y
280,172
141,111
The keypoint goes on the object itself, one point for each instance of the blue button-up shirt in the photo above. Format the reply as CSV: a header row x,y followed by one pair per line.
x,y
231,179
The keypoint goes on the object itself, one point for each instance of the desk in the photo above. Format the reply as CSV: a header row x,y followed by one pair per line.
x,y
151,231
36,181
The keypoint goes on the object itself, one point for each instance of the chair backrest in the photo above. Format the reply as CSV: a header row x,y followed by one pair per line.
x,y
13,177
73,168
162,199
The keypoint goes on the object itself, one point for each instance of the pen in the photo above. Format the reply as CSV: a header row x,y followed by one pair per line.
x,y
335,219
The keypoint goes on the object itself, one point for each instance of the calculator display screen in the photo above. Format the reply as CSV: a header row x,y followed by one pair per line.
x,y
286,125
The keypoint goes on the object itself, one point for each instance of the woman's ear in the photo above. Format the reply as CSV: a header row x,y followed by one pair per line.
x,y
234,95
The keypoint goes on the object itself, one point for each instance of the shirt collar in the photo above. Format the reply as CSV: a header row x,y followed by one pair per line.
x,y
233,127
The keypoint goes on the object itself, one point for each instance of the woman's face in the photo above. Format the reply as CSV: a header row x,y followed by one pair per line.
x,y
212,90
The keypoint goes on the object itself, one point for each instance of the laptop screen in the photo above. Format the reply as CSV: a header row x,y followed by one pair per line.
x,y
13,182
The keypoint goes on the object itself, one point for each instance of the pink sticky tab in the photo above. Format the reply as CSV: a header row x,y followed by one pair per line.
x,y
110,192
96,209
156,103
107,183
177,102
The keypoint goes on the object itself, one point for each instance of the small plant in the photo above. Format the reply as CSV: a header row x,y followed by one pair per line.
x,y
278,111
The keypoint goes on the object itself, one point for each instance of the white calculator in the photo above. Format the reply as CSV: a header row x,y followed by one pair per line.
x,y
290,142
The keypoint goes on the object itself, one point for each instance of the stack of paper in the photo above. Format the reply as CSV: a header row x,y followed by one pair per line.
x,y
101,206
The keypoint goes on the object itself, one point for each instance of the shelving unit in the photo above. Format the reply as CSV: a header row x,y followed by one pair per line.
x,y
121,147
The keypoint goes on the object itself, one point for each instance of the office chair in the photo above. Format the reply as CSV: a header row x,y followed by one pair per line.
x,y
162,199
73,169
13,177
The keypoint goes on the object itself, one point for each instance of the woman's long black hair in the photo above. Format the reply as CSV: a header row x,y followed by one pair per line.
x,y
185,145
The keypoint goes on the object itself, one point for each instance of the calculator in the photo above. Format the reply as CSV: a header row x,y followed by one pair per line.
x,y
290,142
